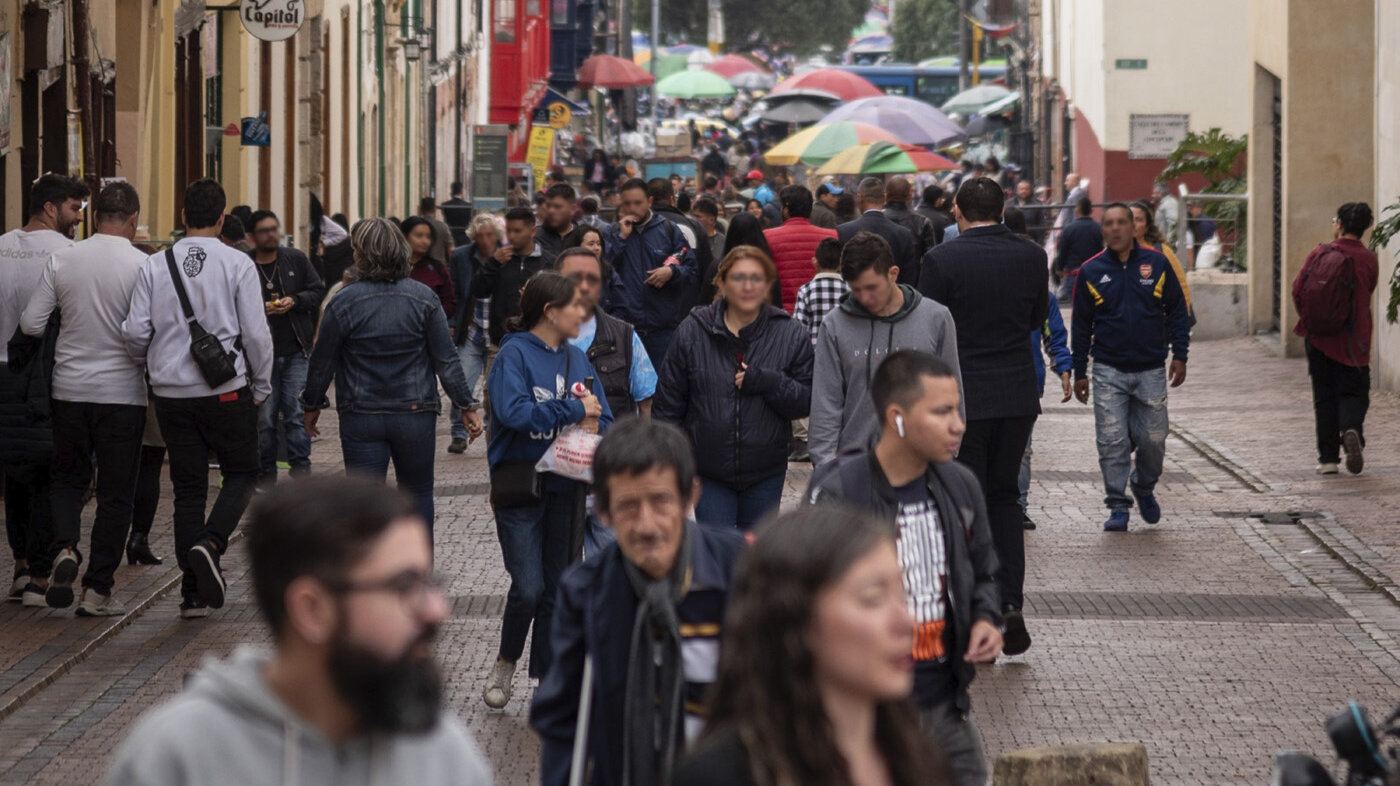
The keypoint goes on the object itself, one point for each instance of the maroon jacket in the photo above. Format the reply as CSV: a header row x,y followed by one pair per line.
x,y
434,275
1351,347
794,244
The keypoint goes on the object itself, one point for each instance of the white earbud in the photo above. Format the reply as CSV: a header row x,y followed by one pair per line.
x,y
899,425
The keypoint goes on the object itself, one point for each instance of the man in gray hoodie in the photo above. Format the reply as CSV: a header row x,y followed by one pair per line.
x,y
351,695
877,318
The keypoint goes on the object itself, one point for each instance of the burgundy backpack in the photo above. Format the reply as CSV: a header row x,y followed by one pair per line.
x,y
1325,292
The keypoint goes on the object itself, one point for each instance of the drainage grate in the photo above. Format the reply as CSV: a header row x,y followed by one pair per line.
x,y
1196,607
478,605
1286,517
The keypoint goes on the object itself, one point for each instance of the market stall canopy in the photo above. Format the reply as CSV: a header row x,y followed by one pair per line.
x,y
972,100
613,73
844,84
910,120
885,158
818,144
730,66
695,84
1002,106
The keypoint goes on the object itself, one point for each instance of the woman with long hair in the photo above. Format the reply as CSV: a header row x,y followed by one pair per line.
x,y
754,208
431,272
384,339
744,230
538,387
585,236
1146,233
816,668
738,373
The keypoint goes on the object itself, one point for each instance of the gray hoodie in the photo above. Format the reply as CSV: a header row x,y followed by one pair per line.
x,y
850,345
228,727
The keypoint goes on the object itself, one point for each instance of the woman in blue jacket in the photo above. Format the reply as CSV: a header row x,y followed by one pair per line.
x,y
738,373
533,397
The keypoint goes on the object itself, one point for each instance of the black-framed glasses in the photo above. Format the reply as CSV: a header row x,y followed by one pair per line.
x,y
414,590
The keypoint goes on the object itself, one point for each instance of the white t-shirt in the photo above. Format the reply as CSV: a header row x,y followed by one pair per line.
x,y
23,256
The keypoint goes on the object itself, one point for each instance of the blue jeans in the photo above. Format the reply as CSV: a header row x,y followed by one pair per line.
x,y
282,411
535,547
1130,414
473,357
722,507
370,441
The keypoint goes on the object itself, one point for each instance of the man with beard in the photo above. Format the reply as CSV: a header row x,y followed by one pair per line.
x,y
342,572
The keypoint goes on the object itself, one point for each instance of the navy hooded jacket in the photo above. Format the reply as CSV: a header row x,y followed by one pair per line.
x,y
1125,313
648,247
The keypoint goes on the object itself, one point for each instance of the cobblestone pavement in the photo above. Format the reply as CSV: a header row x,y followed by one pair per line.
x,y
1265,599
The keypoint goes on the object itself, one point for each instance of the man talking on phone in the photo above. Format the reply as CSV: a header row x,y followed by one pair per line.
x,y
654,270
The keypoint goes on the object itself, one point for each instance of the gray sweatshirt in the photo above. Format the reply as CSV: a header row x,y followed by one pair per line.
x,y
227,299
851,343
90,284
228,727
23,256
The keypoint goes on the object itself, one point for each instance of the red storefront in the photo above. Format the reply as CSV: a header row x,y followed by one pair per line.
x,y
519,66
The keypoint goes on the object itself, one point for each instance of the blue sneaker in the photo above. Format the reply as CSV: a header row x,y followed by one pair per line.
x,y
1117,522
1148,508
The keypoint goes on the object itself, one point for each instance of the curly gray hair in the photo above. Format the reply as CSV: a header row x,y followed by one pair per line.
x,y
381,251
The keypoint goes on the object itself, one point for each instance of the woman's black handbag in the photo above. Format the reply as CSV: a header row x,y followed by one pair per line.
x,y
515,484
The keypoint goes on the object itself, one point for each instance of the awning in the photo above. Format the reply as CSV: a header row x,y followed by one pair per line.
x,y
552,96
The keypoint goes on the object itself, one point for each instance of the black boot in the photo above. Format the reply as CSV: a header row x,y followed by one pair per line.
x,y
138,550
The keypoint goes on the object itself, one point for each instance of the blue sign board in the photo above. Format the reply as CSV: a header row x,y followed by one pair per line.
x,y
256,131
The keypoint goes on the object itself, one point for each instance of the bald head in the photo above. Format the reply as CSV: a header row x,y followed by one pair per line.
x,y
871,194
897,190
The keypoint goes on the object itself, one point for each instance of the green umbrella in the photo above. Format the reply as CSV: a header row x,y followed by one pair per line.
x,y
695,84
972,100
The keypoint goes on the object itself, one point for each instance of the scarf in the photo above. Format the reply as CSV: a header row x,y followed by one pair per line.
x,y
652,707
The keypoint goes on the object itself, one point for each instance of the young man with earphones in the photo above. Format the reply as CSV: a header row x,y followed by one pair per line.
x,y
908,477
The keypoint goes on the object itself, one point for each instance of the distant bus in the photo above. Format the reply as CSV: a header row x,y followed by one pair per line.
x,y
933,81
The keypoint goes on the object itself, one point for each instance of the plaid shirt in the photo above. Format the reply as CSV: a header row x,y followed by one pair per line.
x,y
481,321
816,298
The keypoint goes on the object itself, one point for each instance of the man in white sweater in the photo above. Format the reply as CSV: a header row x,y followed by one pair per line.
x,y
99,397
195,419
26,446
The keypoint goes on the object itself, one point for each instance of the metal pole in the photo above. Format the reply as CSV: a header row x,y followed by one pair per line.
x,y
1181,231
655,67
964,48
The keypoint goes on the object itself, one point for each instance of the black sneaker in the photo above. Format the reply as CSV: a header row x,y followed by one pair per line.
x,y
59,595
1026,521
192,608
458,445
1351,445
209,578
1016,639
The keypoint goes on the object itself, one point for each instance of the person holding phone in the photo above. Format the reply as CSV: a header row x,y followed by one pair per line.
x,y
655,267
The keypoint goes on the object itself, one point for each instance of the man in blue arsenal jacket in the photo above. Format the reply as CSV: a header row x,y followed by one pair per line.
x,y
1128,306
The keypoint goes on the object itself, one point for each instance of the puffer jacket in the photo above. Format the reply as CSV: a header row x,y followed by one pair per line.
x,y
26,432
794,244
740,436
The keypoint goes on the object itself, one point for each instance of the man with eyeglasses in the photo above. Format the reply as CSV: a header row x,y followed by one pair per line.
x,y
612,346
292,295
350,691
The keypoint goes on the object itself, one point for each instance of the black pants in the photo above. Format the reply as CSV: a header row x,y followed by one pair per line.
x,y
29,515
193,428
112,434
992,449
143,509
1341,396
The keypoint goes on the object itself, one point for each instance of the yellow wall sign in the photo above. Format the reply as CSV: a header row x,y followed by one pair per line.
x,y
537,154
559,115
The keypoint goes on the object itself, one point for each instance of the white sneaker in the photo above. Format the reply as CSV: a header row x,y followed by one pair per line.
x,y
95,604
1330,468
17,587
33,596
497,693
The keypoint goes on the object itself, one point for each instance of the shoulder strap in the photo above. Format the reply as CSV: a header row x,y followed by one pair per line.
x,y
179,285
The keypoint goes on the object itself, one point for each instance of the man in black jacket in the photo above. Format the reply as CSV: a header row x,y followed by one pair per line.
x,y
897,192
503,275
870,199
292,294
910,479
663,203
994,282
1079,240
930,207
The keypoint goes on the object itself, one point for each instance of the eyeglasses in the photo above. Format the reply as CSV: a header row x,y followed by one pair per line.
x,y
414,590
752,278
591,278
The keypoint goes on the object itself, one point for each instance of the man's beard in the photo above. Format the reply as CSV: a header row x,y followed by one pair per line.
x,y
403,695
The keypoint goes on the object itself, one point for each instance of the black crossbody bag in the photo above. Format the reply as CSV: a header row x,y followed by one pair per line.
x,y
215,364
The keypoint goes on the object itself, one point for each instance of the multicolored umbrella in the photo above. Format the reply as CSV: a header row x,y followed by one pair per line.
x,y
911,120
613,73
819,144
885,158
695,84
730,66
844,84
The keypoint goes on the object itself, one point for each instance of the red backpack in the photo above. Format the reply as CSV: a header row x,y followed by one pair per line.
x,y
1325,292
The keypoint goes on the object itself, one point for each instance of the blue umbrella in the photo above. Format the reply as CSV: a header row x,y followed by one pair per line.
x,y
913,121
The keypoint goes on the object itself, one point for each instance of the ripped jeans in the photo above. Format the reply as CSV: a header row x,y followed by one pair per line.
x,y
1130,414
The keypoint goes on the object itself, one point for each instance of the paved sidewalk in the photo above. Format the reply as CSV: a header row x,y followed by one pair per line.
x,y
1215,639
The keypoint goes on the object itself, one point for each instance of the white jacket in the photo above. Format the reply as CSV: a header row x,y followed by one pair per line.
x,y
223,288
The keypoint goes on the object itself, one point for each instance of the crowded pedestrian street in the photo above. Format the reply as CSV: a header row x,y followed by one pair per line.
x,y
1215,638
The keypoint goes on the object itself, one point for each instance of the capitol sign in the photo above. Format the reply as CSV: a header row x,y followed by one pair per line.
x,y
272,20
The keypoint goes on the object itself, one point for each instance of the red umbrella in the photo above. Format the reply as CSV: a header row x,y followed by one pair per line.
x,y
613,73
730,66
843,83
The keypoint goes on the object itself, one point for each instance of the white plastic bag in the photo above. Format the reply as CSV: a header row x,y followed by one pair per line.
x,y
571,455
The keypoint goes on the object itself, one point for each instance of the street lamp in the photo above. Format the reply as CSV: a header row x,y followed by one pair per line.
x,y
412,48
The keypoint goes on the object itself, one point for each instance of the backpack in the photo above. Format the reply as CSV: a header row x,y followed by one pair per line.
x,y
1325,292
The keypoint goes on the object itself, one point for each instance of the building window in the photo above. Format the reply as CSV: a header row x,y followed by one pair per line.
x,y
559,15
505,21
